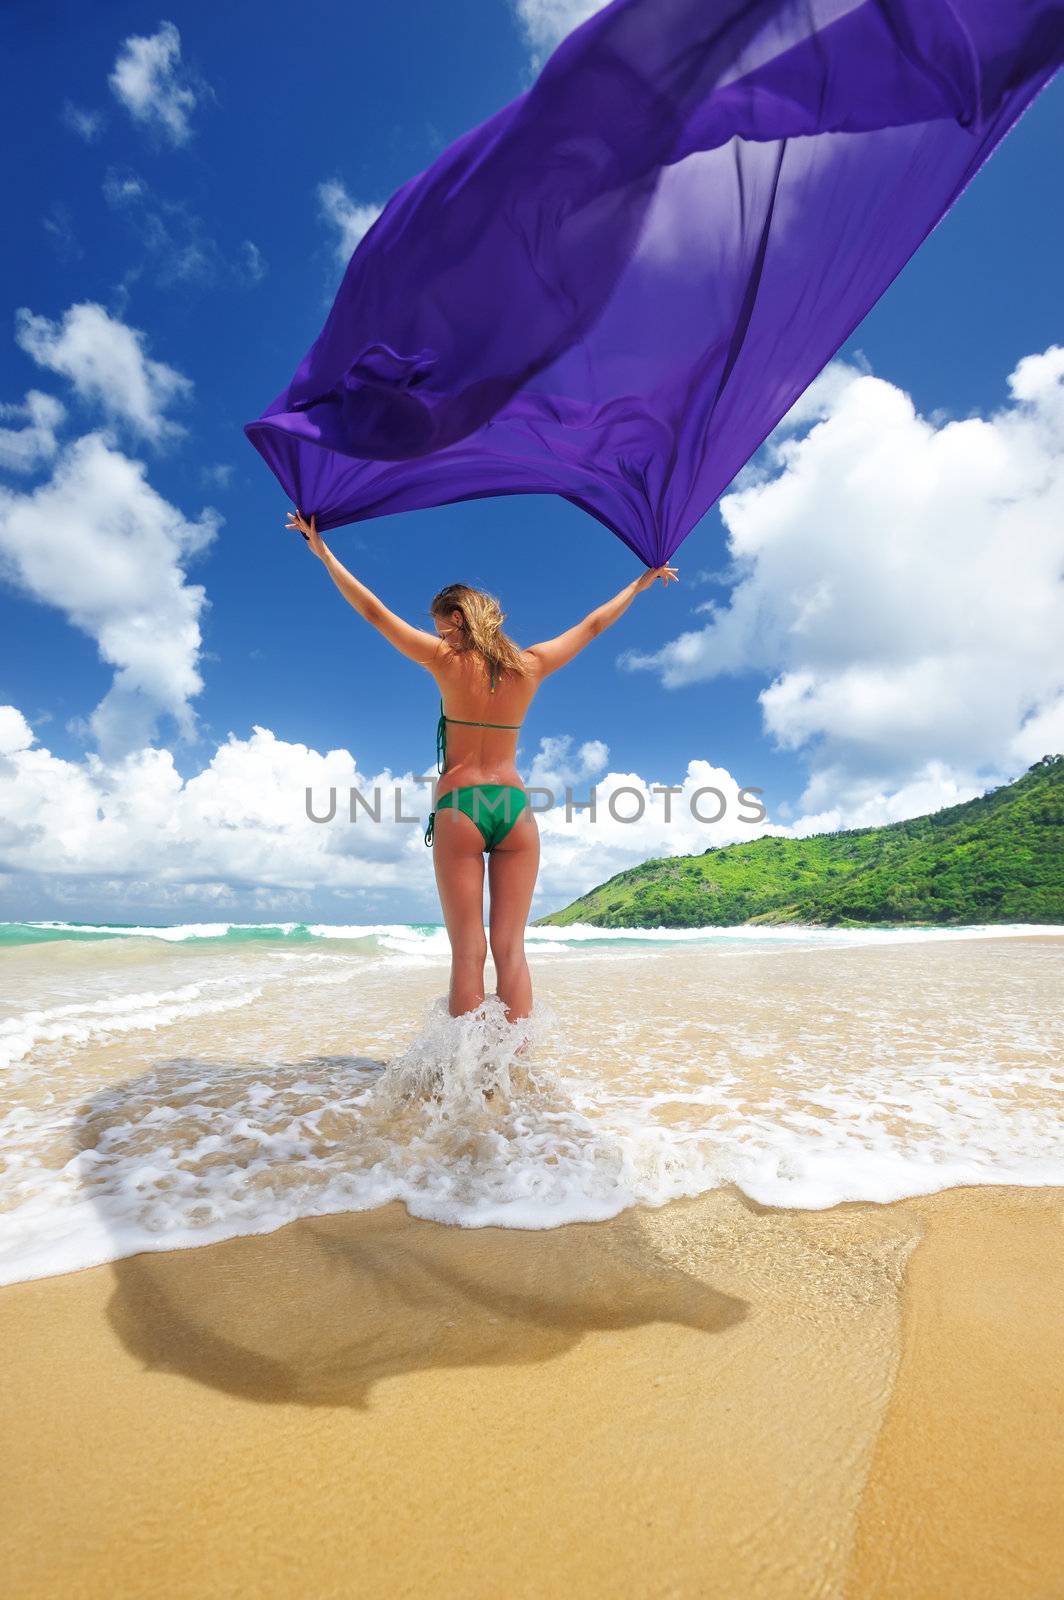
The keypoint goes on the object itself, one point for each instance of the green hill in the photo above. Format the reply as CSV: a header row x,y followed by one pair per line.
x,y
999,858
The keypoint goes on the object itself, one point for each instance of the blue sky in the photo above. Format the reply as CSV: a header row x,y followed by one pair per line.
x,y
193,187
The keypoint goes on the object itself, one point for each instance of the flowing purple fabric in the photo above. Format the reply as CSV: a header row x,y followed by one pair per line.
x,y
614,288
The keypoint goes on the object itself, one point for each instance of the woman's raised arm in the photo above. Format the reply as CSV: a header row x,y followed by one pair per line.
x,y
555,653
417,643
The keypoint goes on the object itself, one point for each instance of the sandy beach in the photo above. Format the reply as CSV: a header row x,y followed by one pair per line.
x,y
712,1398
360,1385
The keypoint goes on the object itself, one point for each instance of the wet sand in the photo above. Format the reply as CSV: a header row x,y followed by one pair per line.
x,y
712,1398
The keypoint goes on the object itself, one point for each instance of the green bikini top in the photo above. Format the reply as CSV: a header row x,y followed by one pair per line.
x,y
441,728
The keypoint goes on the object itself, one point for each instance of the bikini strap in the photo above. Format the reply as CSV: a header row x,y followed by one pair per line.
x,y
463,723
441,732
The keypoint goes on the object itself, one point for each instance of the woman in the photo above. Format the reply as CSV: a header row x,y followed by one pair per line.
x,y
487,684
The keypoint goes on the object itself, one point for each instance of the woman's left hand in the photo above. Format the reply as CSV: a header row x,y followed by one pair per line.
x,y
309,531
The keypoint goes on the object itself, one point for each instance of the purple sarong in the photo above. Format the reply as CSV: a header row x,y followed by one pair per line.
x,y
614,288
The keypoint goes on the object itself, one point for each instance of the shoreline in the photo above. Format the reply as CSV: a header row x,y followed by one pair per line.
x,y
98,931
707,1397
804,1072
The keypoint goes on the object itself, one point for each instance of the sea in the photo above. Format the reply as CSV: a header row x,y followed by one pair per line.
x,y
167,1087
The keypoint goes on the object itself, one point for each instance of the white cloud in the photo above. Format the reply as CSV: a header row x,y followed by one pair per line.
x,y
132,830
900,579
1037,380
15,731
1041,734
88,125
107,363
819,400
545,23
97,542
114,835
24,449
121,188
553,766
176,243
59,225
156,88
837,799
352,220
632,820
252,265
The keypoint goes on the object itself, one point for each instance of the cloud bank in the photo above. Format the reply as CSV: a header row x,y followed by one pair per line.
x,y
900,580
127,836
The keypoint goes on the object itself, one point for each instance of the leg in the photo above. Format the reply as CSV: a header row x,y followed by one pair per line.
x,y
458,856
512,869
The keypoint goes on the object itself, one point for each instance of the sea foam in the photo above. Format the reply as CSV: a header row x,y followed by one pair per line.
x,y
192,1091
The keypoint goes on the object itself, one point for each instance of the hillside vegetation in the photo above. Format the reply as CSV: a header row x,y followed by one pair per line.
x,y
999,858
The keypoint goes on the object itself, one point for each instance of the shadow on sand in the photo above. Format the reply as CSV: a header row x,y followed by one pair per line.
x,y
318,1310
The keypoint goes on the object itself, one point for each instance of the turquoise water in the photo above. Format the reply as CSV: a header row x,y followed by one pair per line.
x,y
429,935
20,933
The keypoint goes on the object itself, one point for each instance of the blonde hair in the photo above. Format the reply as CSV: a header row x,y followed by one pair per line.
x,y
482,620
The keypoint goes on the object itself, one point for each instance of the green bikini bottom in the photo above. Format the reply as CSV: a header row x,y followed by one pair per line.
x,y
494,807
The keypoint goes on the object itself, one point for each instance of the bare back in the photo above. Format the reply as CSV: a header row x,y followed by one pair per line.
x,y
478,754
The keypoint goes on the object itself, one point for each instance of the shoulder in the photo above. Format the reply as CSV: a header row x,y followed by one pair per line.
x,y
442,663
533,665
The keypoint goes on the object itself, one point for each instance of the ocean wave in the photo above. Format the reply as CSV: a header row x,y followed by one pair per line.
x,y
169,1093
555,1119
431,938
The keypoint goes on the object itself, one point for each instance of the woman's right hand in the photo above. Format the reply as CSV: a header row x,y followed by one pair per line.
x,y
664,573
